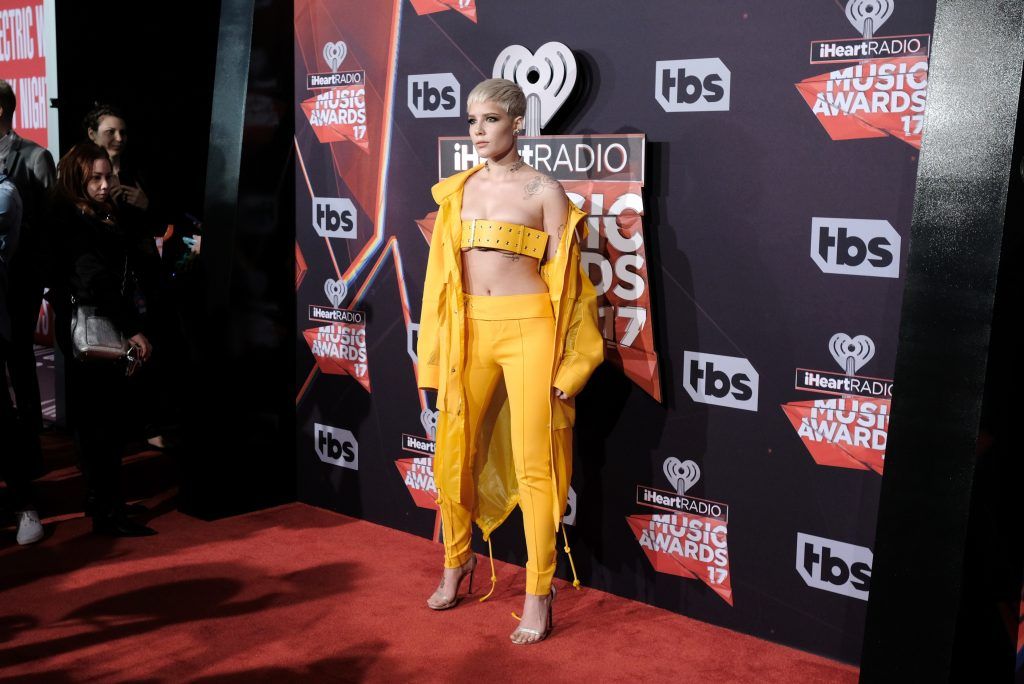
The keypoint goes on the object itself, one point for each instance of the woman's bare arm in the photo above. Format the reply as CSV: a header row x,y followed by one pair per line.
x,y
556,212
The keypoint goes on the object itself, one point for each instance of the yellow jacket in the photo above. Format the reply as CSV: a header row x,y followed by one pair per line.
x,y
489,485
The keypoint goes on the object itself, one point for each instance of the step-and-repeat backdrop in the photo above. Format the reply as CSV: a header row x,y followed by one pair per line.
x,y
24,38
749,171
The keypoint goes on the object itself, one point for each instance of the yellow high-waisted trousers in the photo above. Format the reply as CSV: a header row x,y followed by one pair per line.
x,y
511,337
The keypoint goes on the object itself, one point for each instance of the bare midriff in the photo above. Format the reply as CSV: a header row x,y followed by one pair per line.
x,y
497,272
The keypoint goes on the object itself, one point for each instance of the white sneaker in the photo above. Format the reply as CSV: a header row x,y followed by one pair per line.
x,y
30,530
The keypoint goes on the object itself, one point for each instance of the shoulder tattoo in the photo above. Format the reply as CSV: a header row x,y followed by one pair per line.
x,y
539,184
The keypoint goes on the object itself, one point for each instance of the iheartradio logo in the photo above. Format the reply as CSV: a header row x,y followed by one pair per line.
x,y
851,352
867,16
570,508
335,291
428,419
681,474
546,77
335,53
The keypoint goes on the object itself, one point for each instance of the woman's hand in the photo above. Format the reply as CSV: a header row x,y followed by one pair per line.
x,y
131,194
559,393
145,348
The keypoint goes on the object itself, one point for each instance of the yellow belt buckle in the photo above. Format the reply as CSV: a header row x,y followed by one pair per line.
x,y
472,234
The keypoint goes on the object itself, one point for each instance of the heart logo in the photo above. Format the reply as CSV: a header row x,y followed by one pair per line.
x,y
867,16
570,509
546,77
335,291
334,54
428,419
851,353
681,474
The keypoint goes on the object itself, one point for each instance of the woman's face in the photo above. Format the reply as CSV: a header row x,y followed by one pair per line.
x,y
111,134
97,185
490,128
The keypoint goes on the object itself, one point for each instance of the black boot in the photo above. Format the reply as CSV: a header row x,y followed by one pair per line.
x,y
130,509
119,525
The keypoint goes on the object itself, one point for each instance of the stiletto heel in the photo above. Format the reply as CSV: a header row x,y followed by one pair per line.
x,y
535,634
468,569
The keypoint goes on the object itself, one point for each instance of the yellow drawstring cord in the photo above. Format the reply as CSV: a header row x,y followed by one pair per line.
x,y
568,552
494,576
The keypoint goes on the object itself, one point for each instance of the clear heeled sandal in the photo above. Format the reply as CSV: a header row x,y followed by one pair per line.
x,y
535,635
469,568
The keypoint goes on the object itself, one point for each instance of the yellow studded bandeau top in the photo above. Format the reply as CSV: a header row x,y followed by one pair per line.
x,y
509,237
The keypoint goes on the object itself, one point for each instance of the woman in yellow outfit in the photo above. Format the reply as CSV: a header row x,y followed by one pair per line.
x,y
508,335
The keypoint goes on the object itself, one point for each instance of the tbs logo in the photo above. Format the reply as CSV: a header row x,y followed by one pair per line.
x,y
692,85
863,247
834,566
721,380
433,95
334,217
336,446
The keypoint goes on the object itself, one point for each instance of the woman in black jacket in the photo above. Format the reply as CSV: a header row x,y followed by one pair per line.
x,y
95,264
144,216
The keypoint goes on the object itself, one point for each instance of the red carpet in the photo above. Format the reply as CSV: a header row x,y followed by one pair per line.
x,y
301,594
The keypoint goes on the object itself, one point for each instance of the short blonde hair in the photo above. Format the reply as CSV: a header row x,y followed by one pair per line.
x,y
506,93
